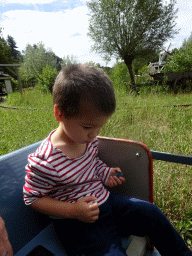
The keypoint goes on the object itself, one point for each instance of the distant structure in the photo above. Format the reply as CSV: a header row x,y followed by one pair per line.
x,y
7,81
157,67
7,78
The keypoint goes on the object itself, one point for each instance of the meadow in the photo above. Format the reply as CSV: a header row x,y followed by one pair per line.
x,y
151,117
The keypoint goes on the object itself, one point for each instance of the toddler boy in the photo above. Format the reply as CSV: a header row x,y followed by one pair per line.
x,y
65,178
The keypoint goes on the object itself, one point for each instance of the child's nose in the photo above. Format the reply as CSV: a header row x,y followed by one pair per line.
x,y
94,133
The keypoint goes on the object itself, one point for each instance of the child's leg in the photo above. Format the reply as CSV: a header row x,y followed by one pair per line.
x,y
96,239
137,217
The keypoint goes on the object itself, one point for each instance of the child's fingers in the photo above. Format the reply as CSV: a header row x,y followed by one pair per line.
x,y
117,179
116,170
122,179
95,213
93,206
95,217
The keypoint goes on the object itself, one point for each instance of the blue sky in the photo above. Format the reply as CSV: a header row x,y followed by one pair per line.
x,y
63,25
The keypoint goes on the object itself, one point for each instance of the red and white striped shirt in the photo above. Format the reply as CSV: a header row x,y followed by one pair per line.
x,y
51,172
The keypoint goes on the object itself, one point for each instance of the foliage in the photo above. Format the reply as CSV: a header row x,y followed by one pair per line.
x,y
128,29
35,59
139,62
15,54
92,63
120,76
46,79
5,50
180,61
14,83
8,50
9,54
186,42
144,70
68,60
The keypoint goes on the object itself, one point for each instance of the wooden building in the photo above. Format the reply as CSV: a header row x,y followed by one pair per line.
x,y
6,79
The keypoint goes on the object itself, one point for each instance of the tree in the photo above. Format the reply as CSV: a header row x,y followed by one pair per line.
x,y
129,29
46,79
139,62
119,76
58,62
14,52
5,51
6,56
35,59
181,60
186,42
68,60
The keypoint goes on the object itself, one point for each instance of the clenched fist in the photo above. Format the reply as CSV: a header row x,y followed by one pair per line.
x,y
86,212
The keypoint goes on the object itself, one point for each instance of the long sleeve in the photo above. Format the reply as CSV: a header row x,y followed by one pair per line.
x,y
102,170
39,180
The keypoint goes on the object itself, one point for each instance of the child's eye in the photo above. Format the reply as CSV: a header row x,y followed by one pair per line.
x,y
87,127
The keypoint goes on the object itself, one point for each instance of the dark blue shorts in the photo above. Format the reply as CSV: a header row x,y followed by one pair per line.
x,y
120,216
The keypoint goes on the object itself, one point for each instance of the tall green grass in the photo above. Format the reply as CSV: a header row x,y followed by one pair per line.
x,y
149,117
153,119
30,123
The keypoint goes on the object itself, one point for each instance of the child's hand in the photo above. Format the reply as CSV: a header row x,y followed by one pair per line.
x,y
113,181
85,212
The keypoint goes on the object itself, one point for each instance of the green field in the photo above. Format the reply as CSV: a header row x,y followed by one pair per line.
x,y
150,118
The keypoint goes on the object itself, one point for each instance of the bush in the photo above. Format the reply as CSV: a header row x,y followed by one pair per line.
x,y
46,79
180,61
120,76
15,84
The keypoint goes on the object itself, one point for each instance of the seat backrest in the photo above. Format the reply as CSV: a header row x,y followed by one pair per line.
x,y
23,224
135,160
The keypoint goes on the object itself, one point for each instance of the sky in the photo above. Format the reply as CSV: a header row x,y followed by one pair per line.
x,y
62,26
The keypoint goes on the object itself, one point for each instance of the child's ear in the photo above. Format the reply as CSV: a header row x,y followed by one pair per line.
x,y
57,113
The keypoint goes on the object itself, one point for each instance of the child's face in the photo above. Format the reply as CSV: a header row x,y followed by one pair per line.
x,y
84,127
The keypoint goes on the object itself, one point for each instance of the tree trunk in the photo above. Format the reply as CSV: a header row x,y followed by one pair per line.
x,y
128,61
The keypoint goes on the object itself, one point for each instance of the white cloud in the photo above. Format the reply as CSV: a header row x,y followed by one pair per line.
x,y
184,23
26,2
65,32
184,20
55,29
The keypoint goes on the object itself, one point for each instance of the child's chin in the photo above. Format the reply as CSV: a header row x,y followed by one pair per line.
x,y
88,141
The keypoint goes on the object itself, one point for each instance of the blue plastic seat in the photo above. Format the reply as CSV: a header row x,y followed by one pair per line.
x,y
28,229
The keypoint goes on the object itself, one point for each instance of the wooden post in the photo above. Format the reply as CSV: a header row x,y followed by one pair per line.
x,y
19,81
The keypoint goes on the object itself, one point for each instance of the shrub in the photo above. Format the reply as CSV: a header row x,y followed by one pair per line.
x,y
46,79
120,76
180,61
15,84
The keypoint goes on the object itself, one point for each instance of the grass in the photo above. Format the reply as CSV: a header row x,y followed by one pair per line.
x,y
150,118
28,124
168,129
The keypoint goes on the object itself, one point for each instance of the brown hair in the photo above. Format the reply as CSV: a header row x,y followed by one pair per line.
x,y
80,81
